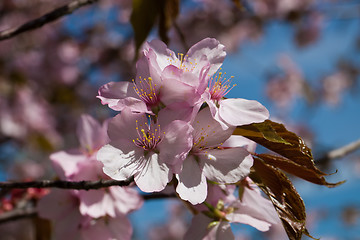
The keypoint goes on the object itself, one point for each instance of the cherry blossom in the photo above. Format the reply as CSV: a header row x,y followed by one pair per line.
x,y
164,79
208,160
231,111
145,149
62,208
224,208
88,208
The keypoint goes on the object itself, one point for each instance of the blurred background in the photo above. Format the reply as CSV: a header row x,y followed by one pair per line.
x,y
299,58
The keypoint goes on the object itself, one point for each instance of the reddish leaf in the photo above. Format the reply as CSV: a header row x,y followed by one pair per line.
x,y
286,200
297,157
296,169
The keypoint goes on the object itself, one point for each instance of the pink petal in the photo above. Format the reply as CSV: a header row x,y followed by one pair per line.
x,y
119,95
205,126
254,210
164,56
108,229
220,231
125,199
176,91
198,227
237,111
240,141
122,129
154,175
176,144
96,203
147,67
65,162
57,204
90,133
89,170
176,111
226,165
117,164
192,184
208,50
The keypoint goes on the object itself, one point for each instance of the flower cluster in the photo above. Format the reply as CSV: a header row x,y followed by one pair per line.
x,y
174,129
175,125
93,214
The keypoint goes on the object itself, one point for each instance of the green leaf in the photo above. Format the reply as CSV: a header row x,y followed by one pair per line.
x,y
142,19
283,195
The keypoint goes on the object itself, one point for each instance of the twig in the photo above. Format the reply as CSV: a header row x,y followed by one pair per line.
x,y
17,214
340,152
86,185
157,196
47,18
29,212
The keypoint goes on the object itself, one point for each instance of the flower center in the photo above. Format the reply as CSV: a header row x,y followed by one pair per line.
x,y
146,90
182,63
149,135
219,86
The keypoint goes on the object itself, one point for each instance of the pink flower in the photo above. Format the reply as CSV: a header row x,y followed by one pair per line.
x,y
231,111
164,79
81,164
208,160
144,149
224,208
62,207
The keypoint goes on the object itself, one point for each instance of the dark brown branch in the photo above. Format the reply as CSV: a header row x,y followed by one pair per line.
x,y
86,185
31,211
47,18
158,196
17,214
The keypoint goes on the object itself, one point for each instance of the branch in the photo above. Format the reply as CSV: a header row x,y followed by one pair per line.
x,y
47,18
85,185
29,212
340,152
17,214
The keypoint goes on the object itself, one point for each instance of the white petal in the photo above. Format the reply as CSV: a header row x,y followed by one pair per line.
x,y
238,111
117,165
154,176
208,50
226,165
192,184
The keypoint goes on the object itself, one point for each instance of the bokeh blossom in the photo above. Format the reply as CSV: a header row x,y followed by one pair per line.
x,y
93,210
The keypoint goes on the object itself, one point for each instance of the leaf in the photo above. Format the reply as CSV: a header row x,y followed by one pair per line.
x,y
296,169
168,13
239,4
283,195
291,146
42,228
142,19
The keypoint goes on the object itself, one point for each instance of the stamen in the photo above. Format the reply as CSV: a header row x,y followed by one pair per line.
x,y
146,90
182,63
149,135
219,86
